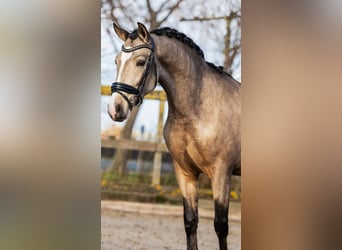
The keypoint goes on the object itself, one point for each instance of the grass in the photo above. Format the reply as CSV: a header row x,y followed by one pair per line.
x,y
133,178
134,187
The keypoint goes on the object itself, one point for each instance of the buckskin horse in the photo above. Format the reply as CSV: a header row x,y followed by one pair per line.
x,y
202,131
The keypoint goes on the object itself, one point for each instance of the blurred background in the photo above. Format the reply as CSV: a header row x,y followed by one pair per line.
x,y
128,151
50,129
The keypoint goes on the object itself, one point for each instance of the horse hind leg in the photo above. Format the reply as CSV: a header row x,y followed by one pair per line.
x,y
188,185
221,224
221,193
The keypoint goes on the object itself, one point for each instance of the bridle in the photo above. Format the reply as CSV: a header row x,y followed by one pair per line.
x,y
121,88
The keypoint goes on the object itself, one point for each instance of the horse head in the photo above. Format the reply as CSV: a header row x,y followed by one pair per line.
x,y
137,72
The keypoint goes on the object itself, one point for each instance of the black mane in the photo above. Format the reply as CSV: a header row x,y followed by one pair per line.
x,y
173,33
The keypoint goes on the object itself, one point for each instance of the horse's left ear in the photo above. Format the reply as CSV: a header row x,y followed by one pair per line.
x,y
122,34
143,33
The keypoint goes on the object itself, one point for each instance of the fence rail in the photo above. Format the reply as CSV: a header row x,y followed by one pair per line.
x,y
134,145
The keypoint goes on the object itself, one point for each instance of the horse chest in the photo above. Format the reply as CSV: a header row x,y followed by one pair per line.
x,y
191,148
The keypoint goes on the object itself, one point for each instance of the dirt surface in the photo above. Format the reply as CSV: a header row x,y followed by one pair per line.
x,y
126,225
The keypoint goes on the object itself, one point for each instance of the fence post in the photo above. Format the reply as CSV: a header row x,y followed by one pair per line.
x,y
157,161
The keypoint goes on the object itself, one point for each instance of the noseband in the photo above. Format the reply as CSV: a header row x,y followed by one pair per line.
x,y
121,88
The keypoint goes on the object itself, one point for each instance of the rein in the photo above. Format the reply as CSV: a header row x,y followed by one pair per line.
x,y
122,88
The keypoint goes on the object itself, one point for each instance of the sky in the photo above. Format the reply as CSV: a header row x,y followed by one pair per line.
x,y
148,114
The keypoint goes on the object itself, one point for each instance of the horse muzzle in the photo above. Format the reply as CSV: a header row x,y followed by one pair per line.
x,y
118,110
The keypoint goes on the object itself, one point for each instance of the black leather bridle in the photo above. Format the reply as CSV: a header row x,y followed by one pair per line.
x,y
118,87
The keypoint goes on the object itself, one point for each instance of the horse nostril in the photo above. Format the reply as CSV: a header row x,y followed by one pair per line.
x,y
117,108
118,111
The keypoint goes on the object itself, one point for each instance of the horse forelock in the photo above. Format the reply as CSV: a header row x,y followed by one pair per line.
x,y
133,35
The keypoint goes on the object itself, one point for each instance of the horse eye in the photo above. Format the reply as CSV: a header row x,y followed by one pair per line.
x,y
140,63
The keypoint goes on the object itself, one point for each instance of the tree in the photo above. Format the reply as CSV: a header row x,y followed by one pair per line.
x,y
232,38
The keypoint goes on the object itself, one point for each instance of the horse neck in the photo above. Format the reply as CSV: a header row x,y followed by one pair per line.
x,y
180,74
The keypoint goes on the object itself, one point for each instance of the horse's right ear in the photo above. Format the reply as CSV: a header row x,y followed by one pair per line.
x,y
122,34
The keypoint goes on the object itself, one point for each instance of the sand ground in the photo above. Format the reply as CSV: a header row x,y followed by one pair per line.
x,y
130,225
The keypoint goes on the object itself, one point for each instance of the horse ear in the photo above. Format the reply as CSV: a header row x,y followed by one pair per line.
x,y
143,33
122,34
